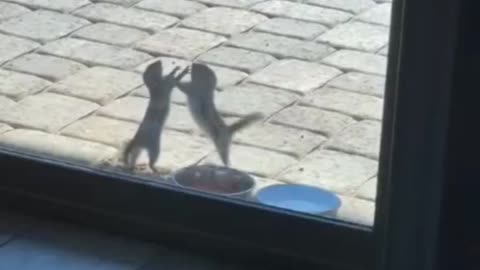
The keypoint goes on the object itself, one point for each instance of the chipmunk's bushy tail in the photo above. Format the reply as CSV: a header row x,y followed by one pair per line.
x,y
225,140
245,122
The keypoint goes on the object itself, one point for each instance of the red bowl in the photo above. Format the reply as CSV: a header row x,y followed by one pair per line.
x,y
216,180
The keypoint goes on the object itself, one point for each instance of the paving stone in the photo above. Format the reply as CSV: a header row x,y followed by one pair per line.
x,y
182,43
360,82
126,108
384,51
313,119
180,119
230,3
6,102
227,77
98,84
368,190
334,171
3,127
46,111
94,53
11,47
354,6
9,10
59,5
356,211
103,130
49,67
57,146
179,8
357,35
16,85
126,3
306,75
291,28
241,59
111,34
224,21
362,138
279,138
302,11
239,101
179,150
42,25
358,105
281,47
254,160
358,61
380,14
103,12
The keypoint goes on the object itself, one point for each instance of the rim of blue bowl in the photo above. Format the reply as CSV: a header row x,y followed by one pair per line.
x,y
338,201
250,178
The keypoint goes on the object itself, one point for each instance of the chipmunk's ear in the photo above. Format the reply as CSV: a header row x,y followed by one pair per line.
x,y
196,66
155,67
153,74
201,72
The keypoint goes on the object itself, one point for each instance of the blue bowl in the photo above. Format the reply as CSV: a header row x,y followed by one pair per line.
x,y
300,198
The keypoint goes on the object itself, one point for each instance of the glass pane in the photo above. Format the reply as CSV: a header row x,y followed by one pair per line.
x,y
289,92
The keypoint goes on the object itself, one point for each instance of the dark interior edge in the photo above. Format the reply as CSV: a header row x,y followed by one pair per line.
x,y
92,199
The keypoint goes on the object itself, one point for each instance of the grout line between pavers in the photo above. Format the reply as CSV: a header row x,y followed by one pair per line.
x,y
71,12
357,190
347,70
354,153
273,114
327,84
380,96
355,117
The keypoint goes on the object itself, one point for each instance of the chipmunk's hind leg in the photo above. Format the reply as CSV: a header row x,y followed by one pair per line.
x,y
224,140
153,153
127,153
132,152
222,143
245,122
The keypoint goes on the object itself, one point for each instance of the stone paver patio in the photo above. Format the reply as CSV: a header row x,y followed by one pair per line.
x,y
71,87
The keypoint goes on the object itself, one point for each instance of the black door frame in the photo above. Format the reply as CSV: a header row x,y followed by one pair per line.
x,y
412,158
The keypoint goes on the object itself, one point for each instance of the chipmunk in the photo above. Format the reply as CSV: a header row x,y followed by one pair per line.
x,y
149,132
200,98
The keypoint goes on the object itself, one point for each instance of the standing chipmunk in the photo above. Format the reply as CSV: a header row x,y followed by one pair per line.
x,y
200,95
149,132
